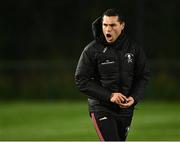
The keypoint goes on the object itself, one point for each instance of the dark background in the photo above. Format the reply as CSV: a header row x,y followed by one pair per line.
x,y
41,41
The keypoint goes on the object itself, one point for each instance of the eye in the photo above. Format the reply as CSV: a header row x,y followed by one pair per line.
x,y
113,25
105,25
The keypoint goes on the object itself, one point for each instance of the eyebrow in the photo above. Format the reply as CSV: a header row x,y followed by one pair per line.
x,y
109,24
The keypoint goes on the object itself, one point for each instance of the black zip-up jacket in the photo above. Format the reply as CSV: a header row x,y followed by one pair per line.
x,y
106,68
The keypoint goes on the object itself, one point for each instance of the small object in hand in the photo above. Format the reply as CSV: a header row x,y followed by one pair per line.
x,y
125,101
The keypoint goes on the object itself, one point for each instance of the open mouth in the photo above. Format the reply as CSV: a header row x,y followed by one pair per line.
x,y
108,35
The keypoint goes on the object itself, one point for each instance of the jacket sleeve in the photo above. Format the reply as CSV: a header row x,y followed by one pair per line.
x,y
85,77
141,77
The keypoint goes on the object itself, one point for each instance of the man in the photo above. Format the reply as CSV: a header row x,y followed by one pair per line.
x,y
112,72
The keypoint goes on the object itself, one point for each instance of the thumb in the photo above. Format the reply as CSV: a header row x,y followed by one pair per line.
x,y
130,99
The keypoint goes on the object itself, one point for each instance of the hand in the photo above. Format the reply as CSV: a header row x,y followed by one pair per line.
x,y
130,102
118,98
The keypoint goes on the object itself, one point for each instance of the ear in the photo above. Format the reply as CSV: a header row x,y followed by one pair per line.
x,y
122,25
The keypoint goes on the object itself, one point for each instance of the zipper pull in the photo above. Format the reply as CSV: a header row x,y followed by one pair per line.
x,y
105,49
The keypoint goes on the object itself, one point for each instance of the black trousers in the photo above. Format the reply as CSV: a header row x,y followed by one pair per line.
x,y
110,127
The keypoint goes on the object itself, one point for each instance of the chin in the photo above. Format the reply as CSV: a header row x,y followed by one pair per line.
x,y
109,41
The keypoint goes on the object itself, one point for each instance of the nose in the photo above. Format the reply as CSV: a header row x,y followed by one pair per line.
x,y
109,28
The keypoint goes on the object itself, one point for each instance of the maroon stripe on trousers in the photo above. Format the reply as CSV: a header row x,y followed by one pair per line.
x,y
97,128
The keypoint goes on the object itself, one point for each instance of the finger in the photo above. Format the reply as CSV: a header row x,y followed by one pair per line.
x,y
130,99
122,106
126,105
124,99
121,99
118,101
123,96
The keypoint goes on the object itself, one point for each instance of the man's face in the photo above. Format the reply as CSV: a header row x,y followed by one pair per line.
x,y
111,28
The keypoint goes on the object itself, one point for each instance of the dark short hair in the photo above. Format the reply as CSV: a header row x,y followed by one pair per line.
x,y
114,12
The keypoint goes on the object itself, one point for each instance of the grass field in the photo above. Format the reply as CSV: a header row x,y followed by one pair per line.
x,y
70,121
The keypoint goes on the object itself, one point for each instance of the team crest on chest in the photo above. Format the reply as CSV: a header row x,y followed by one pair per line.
x,y
129,57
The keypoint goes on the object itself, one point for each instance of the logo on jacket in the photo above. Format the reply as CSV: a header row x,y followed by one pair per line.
x,y
103,118
107,62
129,57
